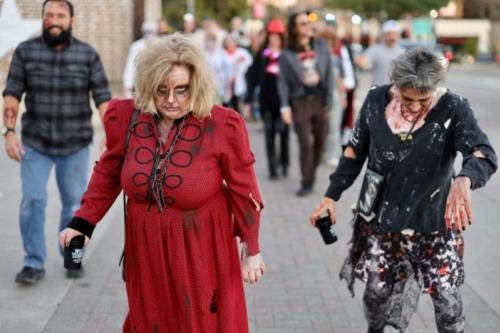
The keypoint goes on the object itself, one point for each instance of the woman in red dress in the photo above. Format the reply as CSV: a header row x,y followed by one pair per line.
x,y
188,173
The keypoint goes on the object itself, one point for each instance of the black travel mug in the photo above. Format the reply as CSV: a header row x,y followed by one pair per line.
x,y
73,254
325,229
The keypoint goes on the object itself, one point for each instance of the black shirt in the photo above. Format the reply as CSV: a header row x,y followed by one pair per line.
x,y
258,76
418,173
57,83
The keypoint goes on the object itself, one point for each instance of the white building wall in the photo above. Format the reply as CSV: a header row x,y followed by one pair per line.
x,y
466,28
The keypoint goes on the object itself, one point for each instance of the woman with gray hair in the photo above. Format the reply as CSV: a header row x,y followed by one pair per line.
x,y
186,166
413,207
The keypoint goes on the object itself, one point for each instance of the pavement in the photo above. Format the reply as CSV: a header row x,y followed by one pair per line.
x,y
301,291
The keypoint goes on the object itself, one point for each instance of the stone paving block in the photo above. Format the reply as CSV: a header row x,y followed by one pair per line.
x,y
109,330
299,307
273,330
70,324
97,323
293,323
264,320
114,321
302,330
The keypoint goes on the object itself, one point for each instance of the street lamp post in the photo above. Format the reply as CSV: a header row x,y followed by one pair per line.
x,y
190,7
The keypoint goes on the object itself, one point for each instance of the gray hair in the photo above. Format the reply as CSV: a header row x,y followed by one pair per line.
x,y
418,68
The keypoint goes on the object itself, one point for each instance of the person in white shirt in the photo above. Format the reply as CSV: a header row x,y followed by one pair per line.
x,y
238,60
217,61
380,56
150,34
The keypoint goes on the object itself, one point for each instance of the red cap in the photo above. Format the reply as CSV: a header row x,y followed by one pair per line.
x,y
275,26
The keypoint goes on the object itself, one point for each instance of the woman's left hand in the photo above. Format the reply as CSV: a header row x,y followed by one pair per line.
x,y
252,267
458,205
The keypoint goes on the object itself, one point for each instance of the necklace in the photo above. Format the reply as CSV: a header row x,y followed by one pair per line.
x,y
407,136
159,172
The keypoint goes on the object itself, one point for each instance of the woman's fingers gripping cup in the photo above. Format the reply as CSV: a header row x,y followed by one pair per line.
x,y
325,207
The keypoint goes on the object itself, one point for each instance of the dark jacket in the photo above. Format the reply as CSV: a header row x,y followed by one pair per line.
x,y
418,173
268,84
290,79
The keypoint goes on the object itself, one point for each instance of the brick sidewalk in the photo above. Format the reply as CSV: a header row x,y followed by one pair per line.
x,y
301,291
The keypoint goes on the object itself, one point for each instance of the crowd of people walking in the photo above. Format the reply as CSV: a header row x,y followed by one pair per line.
x,y
178,147
284,74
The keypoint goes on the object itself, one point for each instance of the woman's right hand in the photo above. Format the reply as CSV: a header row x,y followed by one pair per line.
x,y
325,207
252,267
67,235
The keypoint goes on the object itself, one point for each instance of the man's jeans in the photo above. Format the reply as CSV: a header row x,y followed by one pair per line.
x,y
71,175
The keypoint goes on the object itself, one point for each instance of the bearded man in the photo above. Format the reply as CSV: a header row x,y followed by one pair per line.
x,y
55,72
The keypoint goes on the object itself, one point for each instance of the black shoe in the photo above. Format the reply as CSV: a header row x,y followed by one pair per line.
x,y
273,175
30,275
74,273
304,191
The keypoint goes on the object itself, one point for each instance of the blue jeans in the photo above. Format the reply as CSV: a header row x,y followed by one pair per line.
x,y
71,175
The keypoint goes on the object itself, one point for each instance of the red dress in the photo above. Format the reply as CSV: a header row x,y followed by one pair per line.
x,y
182,267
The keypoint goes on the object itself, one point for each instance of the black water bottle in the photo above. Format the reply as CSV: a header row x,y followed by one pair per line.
x,y
73,253
324,224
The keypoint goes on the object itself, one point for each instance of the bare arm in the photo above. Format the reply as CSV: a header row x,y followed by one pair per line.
x,y
12,144
10,111
102,110
349,152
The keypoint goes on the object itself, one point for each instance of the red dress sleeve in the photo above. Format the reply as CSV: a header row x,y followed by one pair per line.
x,y
237,167
105,184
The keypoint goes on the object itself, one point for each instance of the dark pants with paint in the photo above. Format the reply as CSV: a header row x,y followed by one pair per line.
x,y
310,118
448,307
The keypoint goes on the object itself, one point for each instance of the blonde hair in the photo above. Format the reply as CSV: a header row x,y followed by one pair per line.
x,y
157,60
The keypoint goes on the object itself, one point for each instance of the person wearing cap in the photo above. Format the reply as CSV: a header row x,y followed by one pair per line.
x,y
380,56
305,87
150,30
263,74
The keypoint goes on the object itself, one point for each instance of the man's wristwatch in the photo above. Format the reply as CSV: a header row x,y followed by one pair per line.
x,y
6,130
